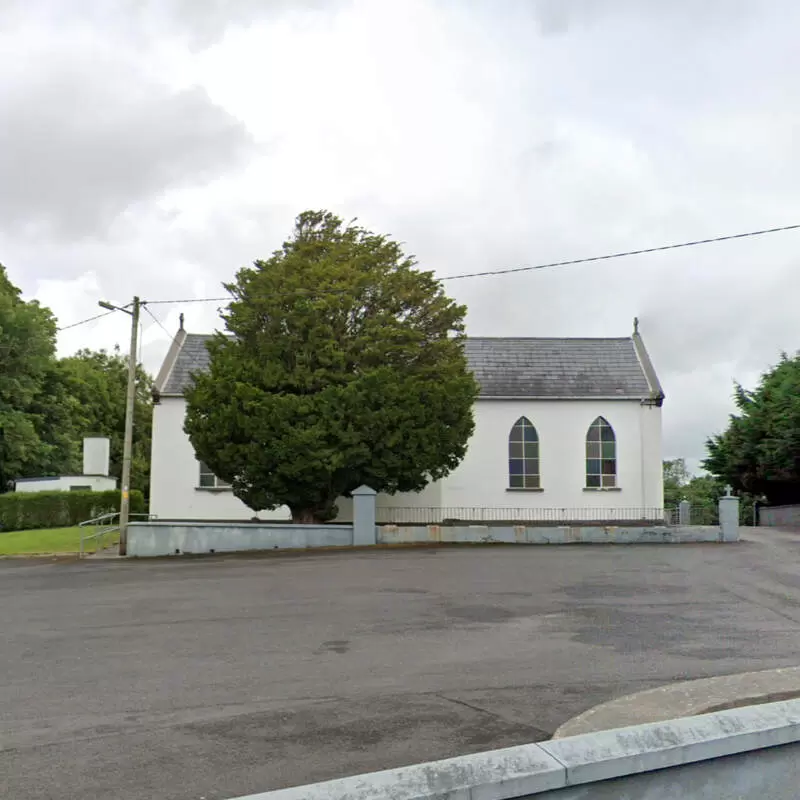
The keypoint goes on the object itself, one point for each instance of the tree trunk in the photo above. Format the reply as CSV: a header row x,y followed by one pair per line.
x,y
314,515
305,516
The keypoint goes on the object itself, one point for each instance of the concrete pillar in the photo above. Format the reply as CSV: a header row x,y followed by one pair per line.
x,y
364,532
684,513
729,517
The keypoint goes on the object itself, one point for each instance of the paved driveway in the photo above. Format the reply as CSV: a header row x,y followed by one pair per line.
x,y
216,677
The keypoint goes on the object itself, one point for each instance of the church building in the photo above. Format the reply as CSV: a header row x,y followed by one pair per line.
x,y
566,430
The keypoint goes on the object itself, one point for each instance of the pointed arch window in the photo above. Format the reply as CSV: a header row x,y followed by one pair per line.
x,y
523,456
601,456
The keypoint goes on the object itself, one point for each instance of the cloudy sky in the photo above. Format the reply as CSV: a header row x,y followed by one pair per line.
x,y
153,147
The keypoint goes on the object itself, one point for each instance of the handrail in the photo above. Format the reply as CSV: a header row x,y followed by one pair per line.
x,y
96,520
106,524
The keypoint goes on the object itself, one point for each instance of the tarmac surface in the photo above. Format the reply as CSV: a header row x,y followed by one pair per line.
x,y
223,676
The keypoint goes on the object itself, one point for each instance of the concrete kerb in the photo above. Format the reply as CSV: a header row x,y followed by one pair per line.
x,y
643,748
520,772
685,699
69,556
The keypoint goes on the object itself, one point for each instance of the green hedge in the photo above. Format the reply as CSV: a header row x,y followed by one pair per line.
x,y
20,511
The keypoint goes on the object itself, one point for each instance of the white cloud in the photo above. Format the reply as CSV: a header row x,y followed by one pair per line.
x,y
86,136
483,136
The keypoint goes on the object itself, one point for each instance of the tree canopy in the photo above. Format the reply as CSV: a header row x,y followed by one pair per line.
x,y
47,405
759,452
676,479
702,491
343,365
27,347
94,382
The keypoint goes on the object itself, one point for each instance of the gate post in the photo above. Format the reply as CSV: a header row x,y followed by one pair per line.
x,y
684,513
729,517
364,532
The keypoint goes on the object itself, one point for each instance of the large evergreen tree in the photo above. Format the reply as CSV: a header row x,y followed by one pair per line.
x,y
343,366
759,452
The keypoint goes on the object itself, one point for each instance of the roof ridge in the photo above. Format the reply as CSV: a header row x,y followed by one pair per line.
x,y
497,338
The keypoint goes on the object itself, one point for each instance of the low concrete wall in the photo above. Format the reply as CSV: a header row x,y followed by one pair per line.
x,y
526,534
159,538
779,516
179,538
751,752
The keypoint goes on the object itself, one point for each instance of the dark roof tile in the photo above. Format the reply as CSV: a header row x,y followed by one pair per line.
x,y
568,368
508,368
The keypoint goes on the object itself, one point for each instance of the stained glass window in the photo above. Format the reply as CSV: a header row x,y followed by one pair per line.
x,y
601,456
523,456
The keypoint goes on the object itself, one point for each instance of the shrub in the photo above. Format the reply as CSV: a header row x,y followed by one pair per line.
x,y
29,510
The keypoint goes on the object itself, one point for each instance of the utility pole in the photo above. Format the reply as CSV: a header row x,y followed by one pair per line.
x,y
127,448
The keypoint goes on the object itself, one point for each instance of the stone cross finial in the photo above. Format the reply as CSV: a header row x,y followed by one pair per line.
x,y
180,318
636,324
728,490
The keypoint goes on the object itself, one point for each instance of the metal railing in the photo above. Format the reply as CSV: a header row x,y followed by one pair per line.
x,y
549,516
698,515
107,524
704,515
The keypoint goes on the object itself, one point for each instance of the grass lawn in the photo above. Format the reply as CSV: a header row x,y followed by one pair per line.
x,y
51,540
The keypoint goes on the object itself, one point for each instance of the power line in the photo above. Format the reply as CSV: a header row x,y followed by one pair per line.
x,y
157,321
190,300
622,254
549,265
106,313
487,273
84,321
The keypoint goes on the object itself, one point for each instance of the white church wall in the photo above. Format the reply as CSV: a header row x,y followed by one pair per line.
x,y
174,479
481,480
175,475
653,470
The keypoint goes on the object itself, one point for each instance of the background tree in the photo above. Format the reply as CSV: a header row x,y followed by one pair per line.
x,y
345,367
27,347
94,385
55,415
676,477
48,405
702,492
759,452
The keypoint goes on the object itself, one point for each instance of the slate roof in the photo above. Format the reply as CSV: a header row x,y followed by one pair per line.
x,y
558,368
191,357
569,369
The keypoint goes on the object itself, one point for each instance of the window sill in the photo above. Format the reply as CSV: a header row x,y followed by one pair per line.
x,y
602,488
521,489
213,489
